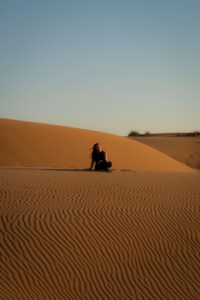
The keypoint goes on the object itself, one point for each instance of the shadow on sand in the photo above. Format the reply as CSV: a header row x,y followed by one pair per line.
x,y
55,169
44,169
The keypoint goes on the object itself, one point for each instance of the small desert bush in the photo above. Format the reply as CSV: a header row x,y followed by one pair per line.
x,y
193,133
147,133
136,133
133,133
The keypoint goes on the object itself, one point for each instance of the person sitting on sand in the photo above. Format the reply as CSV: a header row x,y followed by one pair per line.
x,y
95,155
99,159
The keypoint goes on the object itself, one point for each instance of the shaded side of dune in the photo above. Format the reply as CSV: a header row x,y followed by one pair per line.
x,y
183,149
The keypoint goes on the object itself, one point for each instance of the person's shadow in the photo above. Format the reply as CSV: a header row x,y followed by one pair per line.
x,y
46,169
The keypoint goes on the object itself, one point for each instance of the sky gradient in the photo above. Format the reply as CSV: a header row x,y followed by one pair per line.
x,y
110,65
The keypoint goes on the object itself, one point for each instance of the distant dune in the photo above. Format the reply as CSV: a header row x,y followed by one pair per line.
x,y
40,145
182,148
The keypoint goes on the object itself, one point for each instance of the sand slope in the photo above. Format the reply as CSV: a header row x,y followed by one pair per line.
x,y
86,235
184,149
40,145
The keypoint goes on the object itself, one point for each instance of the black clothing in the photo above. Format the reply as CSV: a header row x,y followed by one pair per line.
x,y
102,163
99,157
102,155
95,155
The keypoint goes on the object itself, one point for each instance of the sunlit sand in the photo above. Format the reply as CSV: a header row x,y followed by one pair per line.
x,y
69,233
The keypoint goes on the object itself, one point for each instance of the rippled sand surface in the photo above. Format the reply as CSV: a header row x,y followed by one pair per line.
x,y
86,235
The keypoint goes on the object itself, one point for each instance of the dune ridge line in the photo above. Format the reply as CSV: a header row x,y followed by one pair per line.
x,y
40,145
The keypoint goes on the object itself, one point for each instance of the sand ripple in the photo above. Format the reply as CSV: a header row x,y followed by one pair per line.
x,y
82,235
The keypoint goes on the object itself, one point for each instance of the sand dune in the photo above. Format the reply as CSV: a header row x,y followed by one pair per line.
x,y
183,149
40,145
86,235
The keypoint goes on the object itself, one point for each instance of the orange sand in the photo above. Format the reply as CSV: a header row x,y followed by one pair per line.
x,y
183,149
75,234
89,235
40,145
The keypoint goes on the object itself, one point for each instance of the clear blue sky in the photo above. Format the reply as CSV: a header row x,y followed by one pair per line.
x,y
107,65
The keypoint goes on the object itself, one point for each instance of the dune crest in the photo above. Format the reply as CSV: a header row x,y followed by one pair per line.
x,y
40,145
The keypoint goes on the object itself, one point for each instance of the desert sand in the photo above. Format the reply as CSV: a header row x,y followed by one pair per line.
x,y
182,148
69,233
40,145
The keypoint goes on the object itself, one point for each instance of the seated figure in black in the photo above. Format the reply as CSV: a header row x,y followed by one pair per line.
x,y
99,159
